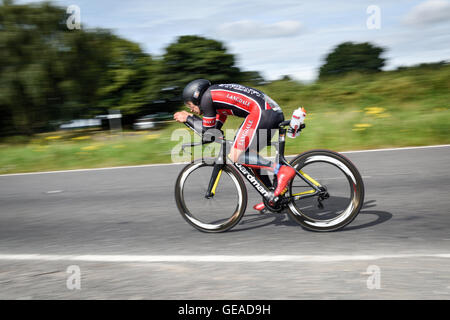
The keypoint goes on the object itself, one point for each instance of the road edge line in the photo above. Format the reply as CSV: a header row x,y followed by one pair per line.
x,y
181,163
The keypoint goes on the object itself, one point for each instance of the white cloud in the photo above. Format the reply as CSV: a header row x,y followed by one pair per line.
x,y
428,12
245,29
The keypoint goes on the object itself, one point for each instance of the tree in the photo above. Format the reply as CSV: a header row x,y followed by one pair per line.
x,y
49,73
28,35
349,56
193,57
123,82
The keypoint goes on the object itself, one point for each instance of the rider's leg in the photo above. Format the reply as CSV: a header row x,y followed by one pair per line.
x,y
252,159
258,164
245,138
284,173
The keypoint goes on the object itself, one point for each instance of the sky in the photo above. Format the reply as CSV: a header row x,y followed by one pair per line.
x,y
280,37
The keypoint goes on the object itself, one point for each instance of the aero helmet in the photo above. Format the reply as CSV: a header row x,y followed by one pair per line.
x,y
194,90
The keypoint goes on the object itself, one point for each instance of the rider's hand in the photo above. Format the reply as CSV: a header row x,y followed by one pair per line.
x,y
181,116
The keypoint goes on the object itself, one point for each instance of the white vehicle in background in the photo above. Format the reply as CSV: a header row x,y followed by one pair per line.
x,y
81,123
152,121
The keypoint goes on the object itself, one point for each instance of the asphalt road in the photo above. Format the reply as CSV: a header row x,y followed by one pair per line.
x,y
122,229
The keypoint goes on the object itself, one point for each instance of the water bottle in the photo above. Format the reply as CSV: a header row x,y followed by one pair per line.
x,y
298,117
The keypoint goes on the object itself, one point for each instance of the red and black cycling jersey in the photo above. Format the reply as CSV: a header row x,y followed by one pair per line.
x,y
221,100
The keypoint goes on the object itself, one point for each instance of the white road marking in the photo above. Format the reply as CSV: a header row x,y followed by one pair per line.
x,y
395,149
180,163
94,169
335,178
213,258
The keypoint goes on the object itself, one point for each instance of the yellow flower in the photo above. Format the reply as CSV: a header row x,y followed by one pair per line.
x,y
82,138
90,148
374,110
152,136
53,138
362,125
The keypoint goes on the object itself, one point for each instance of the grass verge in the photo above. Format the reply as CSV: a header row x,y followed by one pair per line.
x,y
389,109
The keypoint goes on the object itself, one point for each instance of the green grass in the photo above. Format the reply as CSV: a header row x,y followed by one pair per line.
x,y
389,109
93,150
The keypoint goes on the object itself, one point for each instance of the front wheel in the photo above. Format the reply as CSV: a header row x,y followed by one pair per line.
x,y
210,214
340,182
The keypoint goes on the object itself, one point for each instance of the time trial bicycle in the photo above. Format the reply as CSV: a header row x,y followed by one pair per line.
x,y
326,194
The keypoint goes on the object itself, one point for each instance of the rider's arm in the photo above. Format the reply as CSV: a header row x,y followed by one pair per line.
x,y
220,120
195,122
208,134
209,121
209,112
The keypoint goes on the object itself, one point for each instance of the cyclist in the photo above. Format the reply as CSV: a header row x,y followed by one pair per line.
x,y
261,113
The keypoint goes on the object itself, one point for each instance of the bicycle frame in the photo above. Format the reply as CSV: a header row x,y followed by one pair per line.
x,y
248,173
280,158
